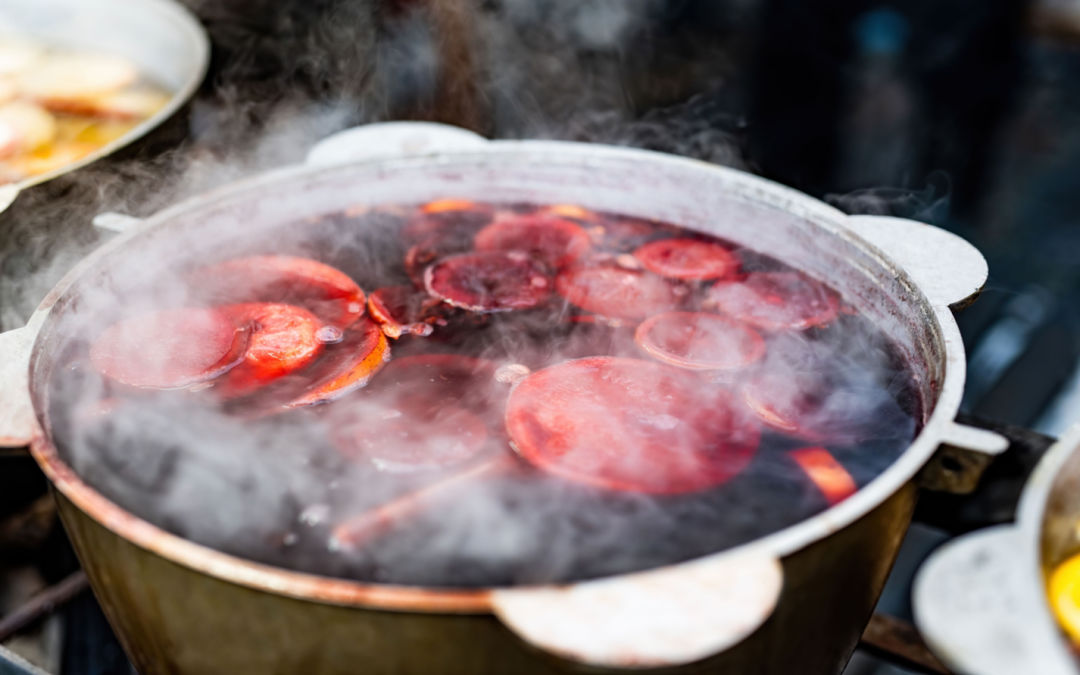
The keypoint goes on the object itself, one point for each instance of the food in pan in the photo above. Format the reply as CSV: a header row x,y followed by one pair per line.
x,y
1063,589
473,393
58,105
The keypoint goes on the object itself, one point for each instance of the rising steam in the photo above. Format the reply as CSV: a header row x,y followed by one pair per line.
x,y
272,488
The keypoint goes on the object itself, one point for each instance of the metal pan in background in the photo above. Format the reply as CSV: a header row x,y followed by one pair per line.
x,y
981,600
162,38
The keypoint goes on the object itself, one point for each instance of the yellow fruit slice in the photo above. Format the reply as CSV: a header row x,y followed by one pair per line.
x,y
1064,591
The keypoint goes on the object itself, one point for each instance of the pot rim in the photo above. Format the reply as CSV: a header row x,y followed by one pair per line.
x,y
171,11
938,427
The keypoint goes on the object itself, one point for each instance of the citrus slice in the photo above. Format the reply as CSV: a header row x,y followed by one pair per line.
x,y
169,349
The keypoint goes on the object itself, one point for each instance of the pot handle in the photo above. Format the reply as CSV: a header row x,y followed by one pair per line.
x,y
976,604
947,268
964,454
17,422
666,617
391,139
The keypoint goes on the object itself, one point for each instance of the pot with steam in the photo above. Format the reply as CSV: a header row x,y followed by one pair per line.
x,y
179,606
160,38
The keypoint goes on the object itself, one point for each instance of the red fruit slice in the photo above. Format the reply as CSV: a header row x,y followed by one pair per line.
x,y
402,310
326,291
348,366
775,301
554,241
169,349
453,205
284,338
829,475
689,259
442,228
616,292
629,424
420,256
699,341
423,412
496,281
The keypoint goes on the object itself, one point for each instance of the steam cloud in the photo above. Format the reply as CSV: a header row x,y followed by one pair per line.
x,y
270,488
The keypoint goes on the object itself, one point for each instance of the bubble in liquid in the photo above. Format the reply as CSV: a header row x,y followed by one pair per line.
x,y
329,335
316,514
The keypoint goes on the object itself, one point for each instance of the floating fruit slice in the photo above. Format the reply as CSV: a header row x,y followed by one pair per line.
x,y
629,424
420,256
422,412
699,341
326,291
554,241
616,292
284,338
1064,592
402,310
60,77
169,349
688,259
349,366
31,126
829,475
454,206
442,228
496,281
775,301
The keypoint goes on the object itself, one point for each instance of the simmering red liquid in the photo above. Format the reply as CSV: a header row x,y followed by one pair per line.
x,y
472,394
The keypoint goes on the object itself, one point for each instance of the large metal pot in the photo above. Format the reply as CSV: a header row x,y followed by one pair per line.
x,y
160,37
793,601
980,600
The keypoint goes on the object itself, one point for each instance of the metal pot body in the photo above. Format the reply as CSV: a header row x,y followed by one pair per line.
x,y
181,607
173,619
